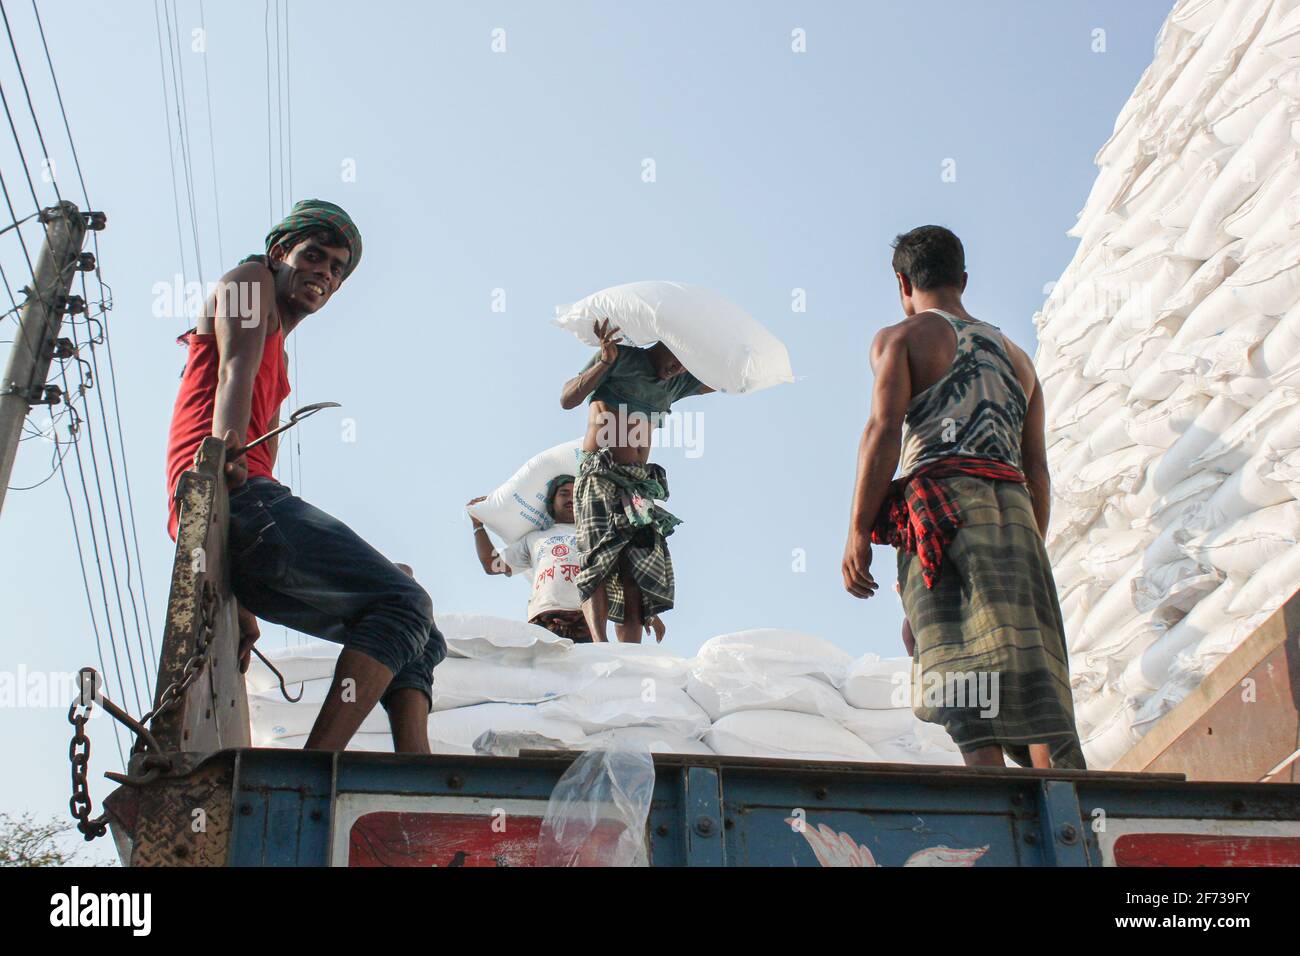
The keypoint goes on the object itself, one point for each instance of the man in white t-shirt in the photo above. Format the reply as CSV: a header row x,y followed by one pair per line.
x,y
552,555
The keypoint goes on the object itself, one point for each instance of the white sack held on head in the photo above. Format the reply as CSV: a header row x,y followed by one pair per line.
x,y
519,505
719,343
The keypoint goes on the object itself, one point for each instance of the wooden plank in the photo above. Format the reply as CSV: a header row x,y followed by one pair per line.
x,y
214,713
1244,717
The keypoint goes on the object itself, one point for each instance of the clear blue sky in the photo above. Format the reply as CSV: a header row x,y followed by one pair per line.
x,y
521,171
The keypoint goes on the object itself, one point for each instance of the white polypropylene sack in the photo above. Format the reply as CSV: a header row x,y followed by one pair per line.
x,y
720,692
612,702
498,639
717,341
1246,545
518,506
1146,672
775,652
780,733
1170,507
911,750
455,731
1174,467
1208,277
272,718
874,683
462,682
1274,423
1238,180
1268,588
1117,473
585,662
1111,740
1162,425
875,726
1248,489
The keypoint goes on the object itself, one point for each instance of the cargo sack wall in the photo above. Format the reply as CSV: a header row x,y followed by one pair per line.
x,y
1169,353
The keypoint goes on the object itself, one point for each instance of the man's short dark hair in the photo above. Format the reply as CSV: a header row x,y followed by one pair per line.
x,y
931,257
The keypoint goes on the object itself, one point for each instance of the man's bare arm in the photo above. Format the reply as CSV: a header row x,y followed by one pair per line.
x,y
239,349
878,453
583,384
1033,458
487,555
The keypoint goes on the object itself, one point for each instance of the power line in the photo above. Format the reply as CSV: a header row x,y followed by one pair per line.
x,y
182,123
83,422
90,603
212,149
171,155
94,541
40,137
270,180
105,304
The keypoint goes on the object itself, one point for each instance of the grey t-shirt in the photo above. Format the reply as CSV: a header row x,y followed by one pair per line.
x,y
632,382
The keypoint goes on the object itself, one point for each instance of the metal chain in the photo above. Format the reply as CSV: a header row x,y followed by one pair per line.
x,y
79,754
175,691
154,764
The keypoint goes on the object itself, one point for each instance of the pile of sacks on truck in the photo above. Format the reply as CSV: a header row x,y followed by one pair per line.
x,y
1169,354
507,686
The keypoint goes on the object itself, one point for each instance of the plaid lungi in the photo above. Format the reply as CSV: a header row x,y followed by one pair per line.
x,y
990,663
620,527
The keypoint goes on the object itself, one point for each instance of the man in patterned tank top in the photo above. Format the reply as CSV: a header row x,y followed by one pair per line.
x,y
292,563
958,410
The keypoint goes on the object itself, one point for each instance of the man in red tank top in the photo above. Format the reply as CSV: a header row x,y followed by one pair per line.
x,y
292,563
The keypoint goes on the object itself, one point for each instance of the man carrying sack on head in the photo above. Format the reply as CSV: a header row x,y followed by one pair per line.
x,y
627,572
552,555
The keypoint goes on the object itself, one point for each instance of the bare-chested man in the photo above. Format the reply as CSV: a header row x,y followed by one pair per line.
x,y
627,572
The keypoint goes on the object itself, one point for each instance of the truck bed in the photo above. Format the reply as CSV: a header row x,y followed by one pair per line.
x,y
266,807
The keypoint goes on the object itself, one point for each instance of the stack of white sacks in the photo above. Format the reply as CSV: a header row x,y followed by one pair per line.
x,y
508,686
1169,354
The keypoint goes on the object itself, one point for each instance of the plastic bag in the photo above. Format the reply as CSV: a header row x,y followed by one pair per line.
x,y
598,811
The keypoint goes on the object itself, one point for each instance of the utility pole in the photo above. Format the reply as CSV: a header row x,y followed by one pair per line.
x,y
37,340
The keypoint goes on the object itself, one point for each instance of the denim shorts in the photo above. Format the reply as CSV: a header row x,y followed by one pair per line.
x,y
295,565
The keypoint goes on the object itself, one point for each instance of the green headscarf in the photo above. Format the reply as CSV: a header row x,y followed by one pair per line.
x,y
309,215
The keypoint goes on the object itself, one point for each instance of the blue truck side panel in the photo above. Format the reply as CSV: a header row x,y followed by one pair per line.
x,y
731,812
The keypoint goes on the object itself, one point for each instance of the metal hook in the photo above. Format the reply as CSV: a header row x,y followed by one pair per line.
x,y
284,690
294,418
